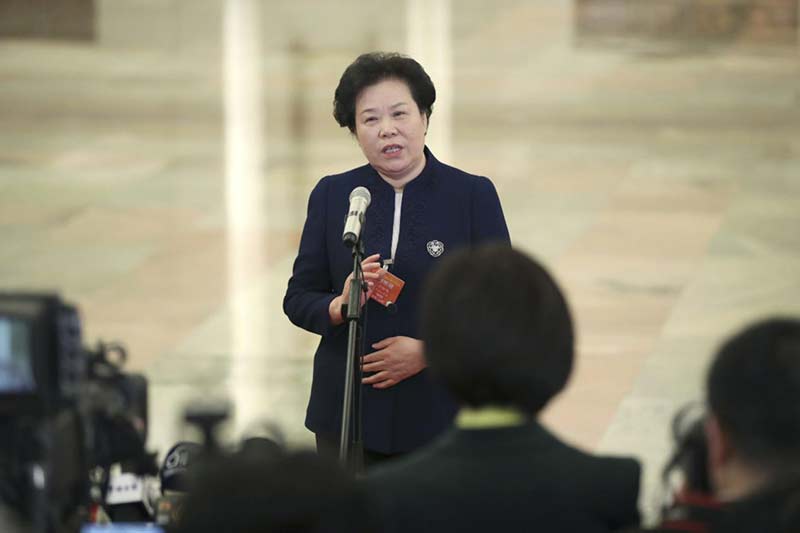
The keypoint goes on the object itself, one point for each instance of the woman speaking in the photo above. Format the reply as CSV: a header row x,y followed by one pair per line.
x,y
420,210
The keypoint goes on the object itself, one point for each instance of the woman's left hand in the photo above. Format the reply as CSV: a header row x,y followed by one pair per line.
x,y
396,359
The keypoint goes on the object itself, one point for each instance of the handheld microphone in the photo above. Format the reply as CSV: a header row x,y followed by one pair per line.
x,y
359,201
175,473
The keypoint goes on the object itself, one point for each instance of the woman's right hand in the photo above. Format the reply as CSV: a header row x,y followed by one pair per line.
x,y
372,272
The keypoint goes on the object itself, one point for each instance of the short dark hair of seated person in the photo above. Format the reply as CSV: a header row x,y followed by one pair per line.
x,y
498,334
298,492
753,426
497,330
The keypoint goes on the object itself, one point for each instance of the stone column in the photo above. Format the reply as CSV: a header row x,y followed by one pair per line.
x,y
245,160
429,41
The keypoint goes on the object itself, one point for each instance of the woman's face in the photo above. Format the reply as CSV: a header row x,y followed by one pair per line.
x,y
391,131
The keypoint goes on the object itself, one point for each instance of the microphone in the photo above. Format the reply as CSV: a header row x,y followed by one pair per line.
x,y
359,201
175,473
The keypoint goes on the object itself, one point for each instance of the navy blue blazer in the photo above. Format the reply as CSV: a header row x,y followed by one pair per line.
x,y
441,204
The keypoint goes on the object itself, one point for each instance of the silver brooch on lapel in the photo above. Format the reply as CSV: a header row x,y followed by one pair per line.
x,y
435,248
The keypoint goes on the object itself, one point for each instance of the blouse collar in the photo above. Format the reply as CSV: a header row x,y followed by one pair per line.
x,y
425,176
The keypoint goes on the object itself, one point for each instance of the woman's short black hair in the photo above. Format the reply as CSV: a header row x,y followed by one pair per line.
x,y
497,329
369,69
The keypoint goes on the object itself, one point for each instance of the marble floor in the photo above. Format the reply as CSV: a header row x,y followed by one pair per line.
x,y
659,181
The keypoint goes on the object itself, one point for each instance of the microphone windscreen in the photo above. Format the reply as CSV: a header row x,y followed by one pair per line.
x,y
174,473
361,192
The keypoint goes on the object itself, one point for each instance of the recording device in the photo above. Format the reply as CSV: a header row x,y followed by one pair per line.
x,y
41,357
131,498
67,413
359,201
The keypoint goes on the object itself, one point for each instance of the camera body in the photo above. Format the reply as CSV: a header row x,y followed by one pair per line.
x,y
42,363
67,413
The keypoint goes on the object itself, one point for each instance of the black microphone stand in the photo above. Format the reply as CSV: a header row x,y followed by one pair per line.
x,y
351,445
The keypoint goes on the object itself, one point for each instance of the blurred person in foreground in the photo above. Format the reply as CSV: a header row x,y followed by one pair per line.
x,y
300,492
498,332
749,441
11,522
421,211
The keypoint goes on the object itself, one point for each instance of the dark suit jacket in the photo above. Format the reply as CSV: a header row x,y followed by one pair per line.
x,y
773,509
442,204
518,478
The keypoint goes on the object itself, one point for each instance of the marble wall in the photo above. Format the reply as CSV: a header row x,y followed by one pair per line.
x,y
48,19
707,21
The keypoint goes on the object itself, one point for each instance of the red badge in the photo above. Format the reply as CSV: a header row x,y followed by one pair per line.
x,y
387,289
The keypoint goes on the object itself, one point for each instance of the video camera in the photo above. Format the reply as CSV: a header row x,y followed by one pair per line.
x,y
67,413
